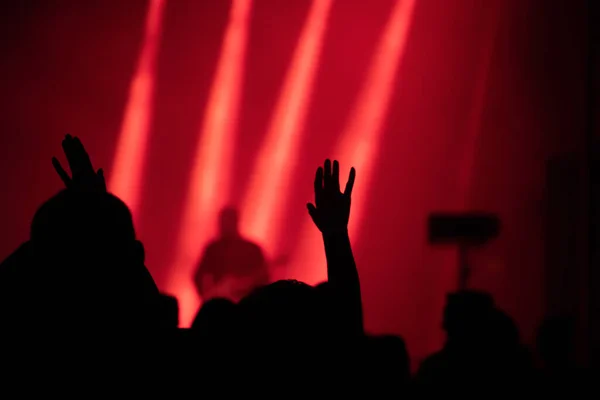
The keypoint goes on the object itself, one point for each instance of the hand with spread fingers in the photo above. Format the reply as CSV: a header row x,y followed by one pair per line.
x,y
331,210
331,213
83,176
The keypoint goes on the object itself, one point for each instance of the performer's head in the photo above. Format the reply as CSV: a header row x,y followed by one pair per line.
x,y
228,222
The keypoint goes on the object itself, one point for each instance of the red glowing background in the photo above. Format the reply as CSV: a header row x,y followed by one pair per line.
x,y
193,105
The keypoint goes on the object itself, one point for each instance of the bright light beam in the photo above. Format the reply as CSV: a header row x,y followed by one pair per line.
x,y
362,135
210,178
126,176
265,201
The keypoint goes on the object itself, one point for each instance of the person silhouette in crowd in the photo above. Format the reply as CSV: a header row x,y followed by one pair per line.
x,y
83,272
231,266
82,266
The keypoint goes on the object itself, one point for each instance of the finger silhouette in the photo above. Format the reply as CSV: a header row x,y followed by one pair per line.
x,y
318,186
61,172
67,145
312,211
83,159
335,176
350,183
327,175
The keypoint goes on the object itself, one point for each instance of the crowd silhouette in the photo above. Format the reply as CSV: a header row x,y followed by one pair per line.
x,y
80,281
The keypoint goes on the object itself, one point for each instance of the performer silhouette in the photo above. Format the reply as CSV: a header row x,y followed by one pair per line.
x,y
231,266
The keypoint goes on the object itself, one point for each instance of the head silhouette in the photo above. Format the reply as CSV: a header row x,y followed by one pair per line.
x,y
87,255
228,222
284,309
216,319
466,316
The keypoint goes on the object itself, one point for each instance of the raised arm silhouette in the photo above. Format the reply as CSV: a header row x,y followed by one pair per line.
x,y
331,213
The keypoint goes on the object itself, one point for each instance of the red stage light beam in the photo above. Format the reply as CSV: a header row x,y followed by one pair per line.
x,y
128,165
210,178
361,138
265,200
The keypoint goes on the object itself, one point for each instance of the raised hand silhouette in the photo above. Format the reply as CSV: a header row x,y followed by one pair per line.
x,y
83,176
331,213
331,210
